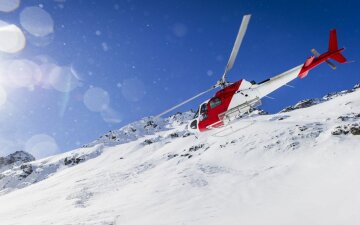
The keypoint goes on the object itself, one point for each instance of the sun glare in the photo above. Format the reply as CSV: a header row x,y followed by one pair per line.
x,y
12,39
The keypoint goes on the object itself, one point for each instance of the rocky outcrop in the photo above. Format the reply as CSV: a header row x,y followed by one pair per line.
x,y
353,129
18,157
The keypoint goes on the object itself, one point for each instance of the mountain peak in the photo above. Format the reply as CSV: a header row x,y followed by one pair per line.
x,y
16,157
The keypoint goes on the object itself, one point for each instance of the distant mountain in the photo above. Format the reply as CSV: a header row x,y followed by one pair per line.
x,y
310,102
145,127
18,157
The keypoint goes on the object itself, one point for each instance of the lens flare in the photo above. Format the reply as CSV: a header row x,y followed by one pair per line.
x,y
62,79
96,99
37,21
109,115
23,73
9,5
41,145
12,39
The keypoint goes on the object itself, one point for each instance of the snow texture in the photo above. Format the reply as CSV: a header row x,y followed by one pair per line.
x,y
296,167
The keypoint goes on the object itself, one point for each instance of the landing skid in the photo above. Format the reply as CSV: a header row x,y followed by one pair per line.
x,y
238,112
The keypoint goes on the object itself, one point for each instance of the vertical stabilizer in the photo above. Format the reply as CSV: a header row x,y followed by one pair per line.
x,y
333,43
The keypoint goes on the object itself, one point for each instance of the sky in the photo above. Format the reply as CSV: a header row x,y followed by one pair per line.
x,y
71,70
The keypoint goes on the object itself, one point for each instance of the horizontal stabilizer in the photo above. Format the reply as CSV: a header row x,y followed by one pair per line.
x,y
339,58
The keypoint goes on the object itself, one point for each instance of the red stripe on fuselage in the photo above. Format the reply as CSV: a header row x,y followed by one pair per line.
x,y
225,95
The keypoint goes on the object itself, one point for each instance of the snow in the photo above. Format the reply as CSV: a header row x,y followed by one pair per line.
x,y
287,168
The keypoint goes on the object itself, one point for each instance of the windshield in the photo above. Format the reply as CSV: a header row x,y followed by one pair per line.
x,y
203,108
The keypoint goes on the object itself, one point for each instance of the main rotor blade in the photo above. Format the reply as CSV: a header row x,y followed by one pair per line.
x,y
184,102
239,38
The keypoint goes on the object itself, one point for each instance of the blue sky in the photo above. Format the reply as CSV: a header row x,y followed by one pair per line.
x,y
115,62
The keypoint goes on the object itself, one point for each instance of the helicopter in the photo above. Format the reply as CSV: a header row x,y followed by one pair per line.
x,y
237,98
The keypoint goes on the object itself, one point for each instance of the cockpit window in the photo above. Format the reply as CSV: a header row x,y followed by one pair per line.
x,y
193,124
202,111
196,114
215,102
203,108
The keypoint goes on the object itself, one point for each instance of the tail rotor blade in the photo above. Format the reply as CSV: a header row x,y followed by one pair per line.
x,y
313,51
332,65
235,50
184,102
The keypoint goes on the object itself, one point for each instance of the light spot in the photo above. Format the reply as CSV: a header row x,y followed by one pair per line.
x,y
98,33
46,67
111,116
219,58
209,73
41,145
37,21
133,89
179,30
23,73
9,5
96,99
105,46
12,39
62,79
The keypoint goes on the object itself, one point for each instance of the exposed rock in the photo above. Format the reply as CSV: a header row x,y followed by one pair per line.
x,y
353,129
174,135
302,104
73,160
196,147
350,116
27,170
18,157
148,142
150,124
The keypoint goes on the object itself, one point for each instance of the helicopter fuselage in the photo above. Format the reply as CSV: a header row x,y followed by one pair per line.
x,y
238,98
216,112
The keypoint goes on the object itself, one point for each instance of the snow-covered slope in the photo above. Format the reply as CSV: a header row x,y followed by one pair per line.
x,y
296,167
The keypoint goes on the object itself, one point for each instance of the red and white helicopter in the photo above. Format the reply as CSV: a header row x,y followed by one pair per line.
x,y
235,99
